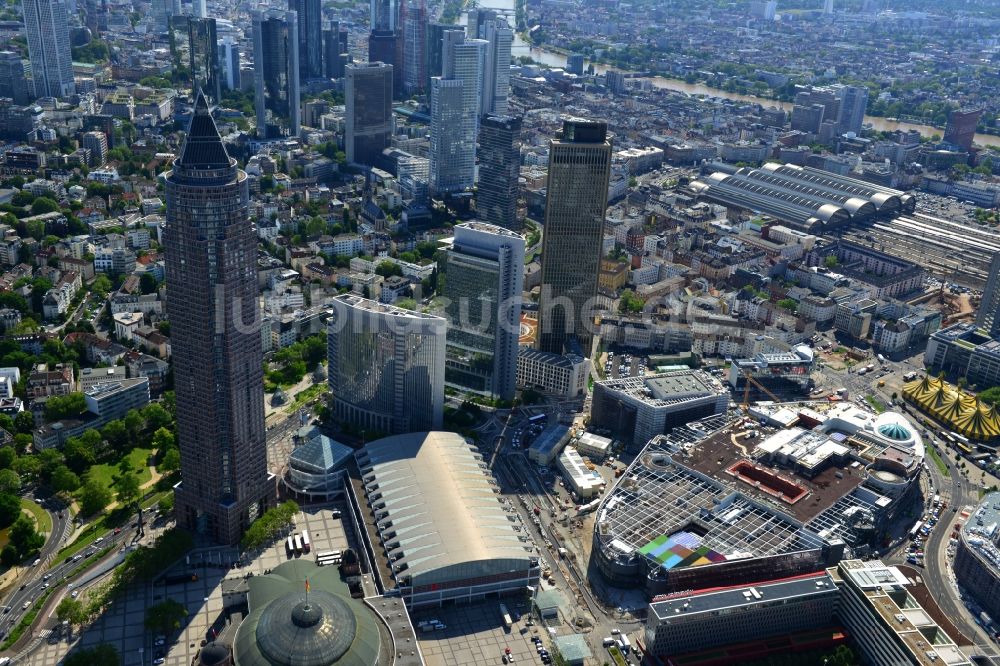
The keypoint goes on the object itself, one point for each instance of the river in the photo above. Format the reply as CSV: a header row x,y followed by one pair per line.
x,y
556,59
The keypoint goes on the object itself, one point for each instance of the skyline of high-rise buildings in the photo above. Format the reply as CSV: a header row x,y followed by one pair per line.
x,y
276,73
46,25
211,250
368,121
483,278
575,203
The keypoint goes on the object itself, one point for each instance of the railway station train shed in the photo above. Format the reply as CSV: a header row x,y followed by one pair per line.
x,y
811,199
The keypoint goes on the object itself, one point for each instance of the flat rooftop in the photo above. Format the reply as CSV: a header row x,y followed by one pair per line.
x,y
716,599
722,450
667,388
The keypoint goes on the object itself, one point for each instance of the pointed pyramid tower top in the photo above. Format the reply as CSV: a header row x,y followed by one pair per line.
x,y
203,147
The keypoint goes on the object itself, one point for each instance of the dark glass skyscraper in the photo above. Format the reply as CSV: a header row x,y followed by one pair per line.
x,y
499,169
310,15
335,47
276,73
211,251
575,203
204,58
368,125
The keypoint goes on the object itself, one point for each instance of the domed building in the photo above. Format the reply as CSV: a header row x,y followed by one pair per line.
x,y
295,623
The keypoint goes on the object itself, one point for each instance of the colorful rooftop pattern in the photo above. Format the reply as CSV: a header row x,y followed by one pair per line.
x,y
963,412
683,549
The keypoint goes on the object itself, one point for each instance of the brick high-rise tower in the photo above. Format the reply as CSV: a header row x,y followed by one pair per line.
x,y
211,265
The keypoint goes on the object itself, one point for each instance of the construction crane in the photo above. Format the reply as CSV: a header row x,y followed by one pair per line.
x,y
746,389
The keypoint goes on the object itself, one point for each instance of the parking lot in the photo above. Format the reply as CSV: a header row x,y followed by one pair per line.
x,y
624,365
475,635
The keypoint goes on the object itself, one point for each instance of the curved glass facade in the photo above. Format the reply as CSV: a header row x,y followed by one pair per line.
x,y
386,366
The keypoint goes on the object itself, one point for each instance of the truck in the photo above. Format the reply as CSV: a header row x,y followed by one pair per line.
x,y
624,645
881,359
910,376
863,371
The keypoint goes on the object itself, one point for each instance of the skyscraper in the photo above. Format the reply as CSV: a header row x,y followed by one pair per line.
x,y
435,47
499,169
13,83
215,336
276,73
384,15
387,46
575,203
988,316
484,273
453,144
47,26
853,103
496,77
310,15
199,9
451,163
336,54
961,128
414,46
229,63
386,366
203,51
368,122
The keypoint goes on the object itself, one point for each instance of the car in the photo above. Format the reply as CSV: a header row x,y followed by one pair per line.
x,y
160,641
118,530
158,661
503,658
26,605
45,586
506,650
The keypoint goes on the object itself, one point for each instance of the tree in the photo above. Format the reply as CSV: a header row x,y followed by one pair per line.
x,y
104,654
171,461
71,610
134,424
10,509
9,555
24,536
990,395
388,269
101,285
165,616
65,406
116,434
830,261
788,304
629,302
163,440
94,497
24,422
64,480
43,205
126,484
7,456
10,482
148,283
81,452
156,416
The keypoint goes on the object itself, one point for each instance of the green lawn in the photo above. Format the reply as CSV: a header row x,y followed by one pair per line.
x,y
42,520
875,403
105,473
937,460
